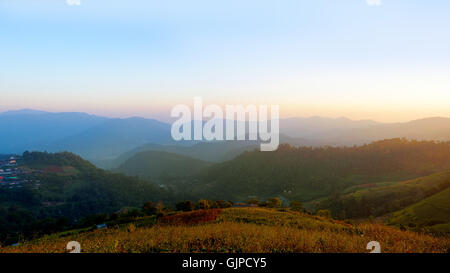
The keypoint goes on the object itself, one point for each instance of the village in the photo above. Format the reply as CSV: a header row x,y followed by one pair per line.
x,y
12,176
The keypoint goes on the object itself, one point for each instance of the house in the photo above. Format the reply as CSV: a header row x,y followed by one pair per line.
x,y
101,226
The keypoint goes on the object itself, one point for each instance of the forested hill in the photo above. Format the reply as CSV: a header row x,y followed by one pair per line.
x,y
304,173
383,198
64,185
67,178
155,164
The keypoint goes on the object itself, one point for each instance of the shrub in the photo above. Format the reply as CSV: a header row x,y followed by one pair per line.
x,y
262,204
131,228
324,213
274,202
212,204
149,208
297,206
185,206
223,204
202,204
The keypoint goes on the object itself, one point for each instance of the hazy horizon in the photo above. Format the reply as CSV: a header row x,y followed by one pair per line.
x,y
170,119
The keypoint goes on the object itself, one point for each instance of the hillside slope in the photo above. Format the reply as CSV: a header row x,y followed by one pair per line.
x,y
64,185
306,173
382,198
432,213
154,164
240,230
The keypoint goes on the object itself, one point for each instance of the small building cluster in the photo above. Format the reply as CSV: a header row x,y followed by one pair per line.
x,y
10,162
13,176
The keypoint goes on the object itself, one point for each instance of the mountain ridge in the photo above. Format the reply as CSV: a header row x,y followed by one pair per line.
x,y
102,139
154,164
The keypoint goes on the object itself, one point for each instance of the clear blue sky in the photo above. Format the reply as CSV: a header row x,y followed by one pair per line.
x,y
387,62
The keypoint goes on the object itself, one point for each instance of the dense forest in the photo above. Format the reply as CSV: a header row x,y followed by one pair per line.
x,y
306,173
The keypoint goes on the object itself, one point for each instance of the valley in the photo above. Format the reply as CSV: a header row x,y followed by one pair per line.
x,y
402,183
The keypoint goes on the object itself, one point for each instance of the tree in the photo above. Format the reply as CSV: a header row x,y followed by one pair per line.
x,y
161,210
149,208
185,206
297,206
134,213
253,201
262,204
202,204
223,204
274,202
324,213
160,207
212,204
114,216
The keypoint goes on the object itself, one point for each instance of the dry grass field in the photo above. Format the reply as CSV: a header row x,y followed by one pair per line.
x,y
241,230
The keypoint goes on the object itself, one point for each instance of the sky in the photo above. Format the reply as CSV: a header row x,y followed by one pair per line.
x,y
386,60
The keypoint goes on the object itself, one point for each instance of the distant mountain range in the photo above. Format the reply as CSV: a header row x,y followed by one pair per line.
x,y
109,142
436,128
92,137
216,151
114,137
29,129
313,127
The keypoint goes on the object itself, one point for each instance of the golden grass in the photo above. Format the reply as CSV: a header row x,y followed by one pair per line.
x,y
246,230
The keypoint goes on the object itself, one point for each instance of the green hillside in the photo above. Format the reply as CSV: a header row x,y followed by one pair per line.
x,y
216,151
382,198
432,214
155,164
306,173
54,191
